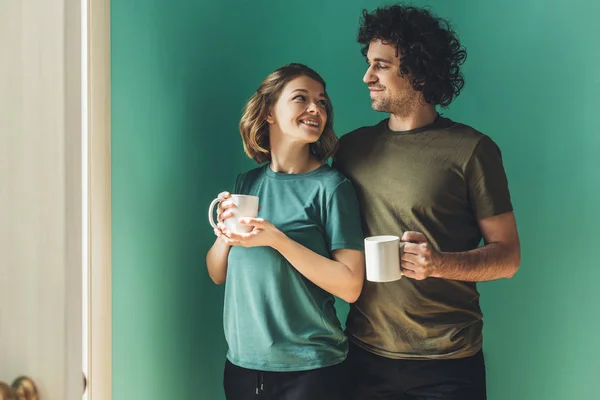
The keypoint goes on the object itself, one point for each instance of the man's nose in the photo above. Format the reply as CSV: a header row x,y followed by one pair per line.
x,y
369,77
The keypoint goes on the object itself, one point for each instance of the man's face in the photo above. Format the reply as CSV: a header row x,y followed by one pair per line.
x,y
390,92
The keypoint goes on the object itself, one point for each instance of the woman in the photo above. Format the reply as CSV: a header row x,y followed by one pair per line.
x,y
305,247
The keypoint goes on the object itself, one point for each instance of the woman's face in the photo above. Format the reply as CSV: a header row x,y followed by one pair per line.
x,y
299,114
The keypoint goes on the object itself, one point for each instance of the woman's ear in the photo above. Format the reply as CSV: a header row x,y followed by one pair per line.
x,y
270,118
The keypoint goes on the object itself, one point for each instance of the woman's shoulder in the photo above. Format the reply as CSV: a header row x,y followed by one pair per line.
x,y
247,178
335,175
333,179
254,172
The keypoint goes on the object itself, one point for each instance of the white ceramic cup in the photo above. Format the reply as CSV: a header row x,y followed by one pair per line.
x,y
382,257
246,206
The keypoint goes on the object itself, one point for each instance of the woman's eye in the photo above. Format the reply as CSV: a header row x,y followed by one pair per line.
x,y
300,97
323,102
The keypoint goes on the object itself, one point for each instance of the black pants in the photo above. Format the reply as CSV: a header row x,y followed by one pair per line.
x,y
380,378
327,383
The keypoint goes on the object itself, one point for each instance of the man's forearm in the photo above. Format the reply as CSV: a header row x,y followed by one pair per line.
x,y
487,263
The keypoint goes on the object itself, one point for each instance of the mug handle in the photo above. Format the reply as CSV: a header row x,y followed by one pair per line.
x,y
211,217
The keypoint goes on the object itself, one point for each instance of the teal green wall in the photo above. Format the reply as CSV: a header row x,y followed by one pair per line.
x,y
181,71
533,85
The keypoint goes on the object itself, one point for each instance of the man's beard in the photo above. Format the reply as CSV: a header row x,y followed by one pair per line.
x,y
400,106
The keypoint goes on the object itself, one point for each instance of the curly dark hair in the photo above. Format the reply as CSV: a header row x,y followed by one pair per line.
x,y
430,53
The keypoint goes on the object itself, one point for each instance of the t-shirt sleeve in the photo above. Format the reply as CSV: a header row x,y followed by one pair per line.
x,y
342,220
239,180
486,180
338,158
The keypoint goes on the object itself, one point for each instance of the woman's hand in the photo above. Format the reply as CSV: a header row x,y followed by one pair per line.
x,y
224,211
263,233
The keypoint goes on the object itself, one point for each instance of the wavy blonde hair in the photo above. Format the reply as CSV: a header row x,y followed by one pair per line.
x,y
255,129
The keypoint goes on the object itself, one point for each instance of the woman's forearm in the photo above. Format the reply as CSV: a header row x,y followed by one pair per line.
x,y
342,278
216,261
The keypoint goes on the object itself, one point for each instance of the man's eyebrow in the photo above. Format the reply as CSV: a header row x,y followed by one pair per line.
x,y
384,60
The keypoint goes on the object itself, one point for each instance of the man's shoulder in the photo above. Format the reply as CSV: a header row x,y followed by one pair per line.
x,y
363,131
464,141
466,134
462,128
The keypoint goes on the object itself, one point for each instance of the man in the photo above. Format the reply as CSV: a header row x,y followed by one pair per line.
x,y
441,186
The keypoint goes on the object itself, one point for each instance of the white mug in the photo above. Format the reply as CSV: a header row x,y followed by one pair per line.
x,y
246,206
382,258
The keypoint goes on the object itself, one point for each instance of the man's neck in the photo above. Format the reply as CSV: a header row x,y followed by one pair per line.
x,y
421,117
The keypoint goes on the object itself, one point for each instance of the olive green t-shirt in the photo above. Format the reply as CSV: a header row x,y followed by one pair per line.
x,y
438,180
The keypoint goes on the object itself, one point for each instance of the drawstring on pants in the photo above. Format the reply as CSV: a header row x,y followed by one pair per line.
x,y
260,381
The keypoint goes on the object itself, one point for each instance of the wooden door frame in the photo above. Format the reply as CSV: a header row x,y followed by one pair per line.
x,y
73,164
99,337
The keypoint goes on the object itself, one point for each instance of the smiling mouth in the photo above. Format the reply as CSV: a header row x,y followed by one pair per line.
x,y
311,123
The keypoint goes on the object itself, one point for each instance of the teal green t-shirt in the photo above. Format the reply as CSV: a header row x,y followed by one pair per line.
x,y
274,318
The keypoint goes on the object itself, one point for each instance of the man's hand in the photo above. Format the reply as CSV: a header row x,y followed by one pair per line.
x,y
419,259
498,258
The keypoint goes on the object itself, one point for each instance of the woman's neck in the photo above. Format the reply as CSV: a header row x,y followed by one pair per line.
x,y
292,158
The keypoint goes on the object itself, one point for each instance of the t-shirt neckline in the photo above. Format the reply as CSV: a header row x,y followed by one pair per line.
x,y
280,175
439,123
